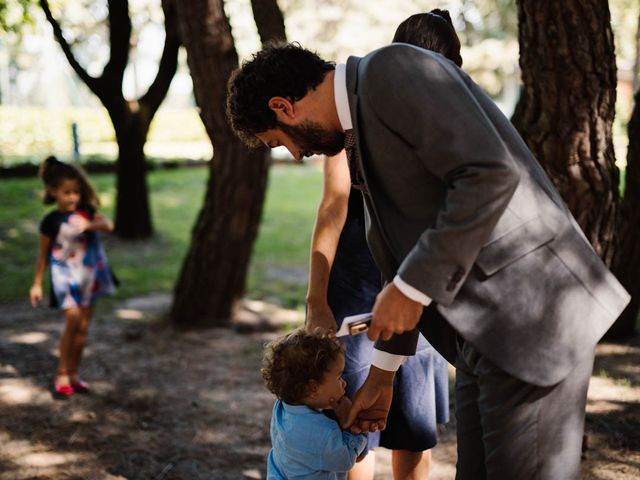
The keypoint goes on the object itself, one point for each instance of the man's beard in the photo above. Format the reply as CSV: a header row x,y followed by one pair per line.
x,y
311,138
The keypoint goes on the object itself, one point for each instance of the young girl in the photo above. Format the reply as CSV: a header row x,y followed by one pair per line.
x,y
304,370
79,270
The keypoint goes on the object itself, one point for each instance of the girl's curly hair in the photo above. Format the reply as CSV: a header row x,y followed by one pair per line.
x,y
291,362
53,172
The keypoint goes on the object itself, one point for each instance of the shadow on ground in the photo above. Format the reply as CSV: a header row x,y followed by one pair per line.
x,y
191,405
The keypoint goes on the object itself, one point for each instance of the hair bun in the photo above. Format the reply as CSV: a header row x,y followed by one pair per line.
x,y
442,13
51,160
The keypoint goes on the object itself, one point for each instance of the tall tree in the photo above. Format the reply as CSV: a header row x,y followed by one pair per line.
x,y
626,264
214,271
627,260
566,113
567,107
636,60
131,118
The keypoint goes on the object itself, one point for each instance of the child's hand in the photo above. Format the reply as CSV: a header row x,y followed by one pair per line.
x,y
341,408
79,222
35,294
320,317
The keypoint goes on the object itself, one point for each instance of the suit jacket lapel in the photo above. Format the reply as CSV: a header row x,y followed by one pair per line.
x,y
389,263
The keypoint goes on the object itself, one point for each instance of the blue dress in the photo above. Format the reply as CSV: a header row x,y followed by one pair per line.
x,y
420,396
78,264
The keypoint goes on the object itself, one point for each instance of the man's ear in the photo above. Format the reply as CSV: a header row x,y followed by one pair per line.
x,y
283,108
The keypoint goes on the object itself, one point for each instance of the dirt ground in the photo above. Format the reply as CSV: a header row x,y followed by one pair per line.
x,y
172,405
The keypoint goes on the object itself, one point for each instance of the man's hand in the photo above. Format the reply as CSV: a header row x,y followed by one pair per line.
x,y
320,316
393,313
371,403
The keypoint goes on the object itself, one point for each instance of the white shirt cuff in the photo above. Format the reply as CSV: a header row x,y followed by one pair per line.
x,y
411,292
386,361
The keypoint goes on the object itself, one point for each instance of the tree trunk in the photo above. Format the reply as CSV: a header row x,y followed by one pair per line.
x,y
269,20
214,272
567,107
133,215
627,259
636,61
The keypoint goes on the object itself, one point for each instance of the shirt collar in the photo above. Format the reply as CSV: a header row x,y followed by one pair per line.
x,y
298,409
341,98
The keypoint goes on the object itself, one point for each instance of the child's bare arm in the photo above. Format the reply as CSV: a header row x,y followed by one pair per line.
x,y
100,223
35,293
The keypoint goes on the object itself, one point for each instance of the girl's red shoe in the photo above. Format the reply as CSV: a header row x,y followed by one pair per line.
x,y
65,390
80,387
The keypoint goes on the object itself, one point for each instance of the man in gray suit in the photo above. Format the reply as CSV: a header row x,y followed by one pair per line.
x,y
479,251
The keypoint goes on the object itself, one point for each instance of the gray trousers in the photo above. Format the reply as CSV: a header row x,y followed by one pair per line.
x,y
508,429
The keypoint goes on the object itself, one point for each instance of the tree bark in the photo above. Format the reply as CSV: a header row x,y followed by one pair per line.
x,y
132,212
269,20
636,61
214,272
130,119
567,107
627,260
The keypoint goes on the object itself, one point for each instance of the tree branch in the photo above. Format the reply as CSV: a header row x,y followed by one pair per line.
x,y
168,62
119,40
90,81
269,20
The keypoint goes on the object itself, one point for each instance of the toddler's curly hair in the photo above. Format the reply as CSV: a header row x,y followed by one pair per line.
x,y
291,362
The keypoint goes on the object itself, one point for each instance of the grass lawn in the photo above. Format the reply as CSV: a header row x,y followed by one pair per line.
x,y
279,265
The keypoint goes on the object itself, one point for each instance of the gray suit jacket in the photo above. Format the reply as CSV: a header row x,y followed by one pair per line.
x,y
462,211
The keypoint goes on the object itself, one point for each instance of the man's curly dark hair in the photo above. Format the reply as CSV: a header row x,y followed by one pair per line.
x,y
279,70
291,362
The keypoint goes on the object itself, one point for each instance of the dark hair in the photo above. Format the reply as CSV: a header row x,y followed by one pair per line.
x,y
291,362
433,31
53,172
279,70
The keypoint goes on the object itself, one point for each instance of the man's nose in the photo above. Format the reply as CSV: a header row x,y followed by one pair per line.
x,y
295,154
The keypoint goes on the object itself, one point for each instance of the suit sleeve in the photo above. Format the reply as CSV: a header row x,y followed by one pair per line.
x,y
422,98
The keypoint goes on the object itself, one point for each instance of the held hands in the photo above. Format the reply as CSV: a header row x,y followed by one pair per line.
x,y
393,313
341,408
371,403
35,294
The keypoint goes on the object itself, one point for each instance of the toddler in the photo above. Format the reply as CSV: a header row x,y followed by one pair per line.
x,y
304,370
